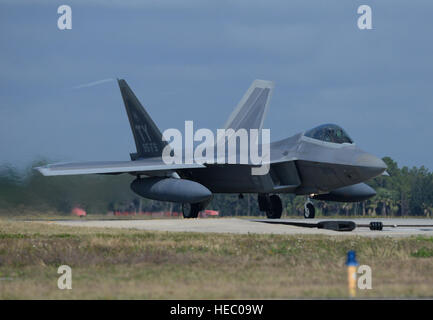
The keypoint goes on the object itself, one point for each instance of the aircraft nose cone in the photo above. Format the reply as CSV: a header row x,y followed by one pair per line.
x,y
371,165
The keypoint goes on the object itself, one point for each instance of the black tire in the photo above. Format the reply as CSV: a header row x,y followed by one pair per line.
x,y
190,210
186,210
309,211
276,207
264,203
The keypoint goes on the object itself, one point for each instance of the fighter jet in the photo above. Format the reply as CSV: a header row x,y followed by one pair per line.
x,y
322,163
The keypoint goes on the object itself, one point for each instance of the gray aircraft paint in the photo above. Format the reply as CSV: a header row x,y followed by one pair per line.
x,y
171,189
353,193
251,111
298,164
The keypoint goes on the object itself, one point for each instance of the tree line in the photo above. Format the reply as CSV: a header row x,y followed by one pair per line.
x,y
405,192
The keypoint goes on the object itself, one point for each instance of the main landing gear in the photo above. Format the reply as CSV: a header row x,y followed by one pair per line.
x,y
309,210
271,205
190,210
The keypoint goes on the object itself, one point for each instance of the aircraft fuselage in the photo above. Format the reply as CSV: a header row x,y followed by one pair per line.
x,y
299,165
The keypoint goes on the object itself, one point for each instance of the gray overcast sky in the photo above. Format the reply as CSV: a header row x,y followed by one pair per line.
x,y
193,60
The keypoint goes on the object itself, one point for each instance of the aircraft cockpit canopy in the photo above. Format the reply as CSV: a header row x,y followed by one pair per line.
x,y
329,133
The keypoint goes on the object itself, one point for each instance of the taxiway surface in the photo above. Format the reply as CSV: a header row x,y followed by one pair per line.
x,y
392,227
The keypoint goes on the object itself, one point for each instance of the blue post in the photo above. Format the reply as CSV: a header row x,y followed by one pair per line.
x,y
351,264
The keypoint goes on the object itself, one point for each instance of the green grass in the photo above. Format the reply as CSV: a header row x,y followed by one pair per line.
x,y
423,253
121,263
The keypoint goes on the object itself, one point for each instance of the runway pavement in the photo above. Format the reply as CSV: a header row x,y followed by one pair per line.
x,y
392,227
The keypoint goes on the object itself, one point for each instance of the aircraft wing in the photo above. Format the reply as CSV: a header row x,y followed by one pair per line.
x,y
251,111
144,166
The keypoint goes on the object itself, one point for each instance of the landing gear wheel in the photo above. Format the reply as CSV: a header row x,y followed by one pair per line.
x,y
190,210
264,202
275,207
309,210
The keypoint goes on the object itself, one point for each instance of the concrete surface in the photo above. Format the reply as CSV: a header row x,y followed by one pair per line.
x,y
243,226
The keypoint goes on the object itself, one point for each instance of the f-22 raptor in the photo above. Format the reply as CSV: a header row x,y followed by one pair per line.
x,y
322,163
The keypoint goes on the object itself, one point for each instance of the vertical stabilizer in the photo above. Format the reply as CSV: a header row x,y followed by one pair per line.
x,y
251,111
148,138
